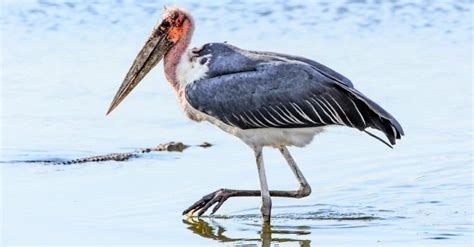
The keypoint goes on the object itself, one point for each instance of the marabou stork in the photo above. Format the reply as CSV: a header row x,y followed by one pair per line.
x,y
263,98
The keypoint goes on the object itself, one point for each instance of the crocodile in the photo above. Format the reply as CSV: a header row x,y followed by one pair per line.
x,y
168,147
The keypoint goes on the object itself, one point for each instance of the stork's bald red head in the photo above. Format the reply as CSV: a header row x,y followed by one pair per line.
x,y
170,29
175,22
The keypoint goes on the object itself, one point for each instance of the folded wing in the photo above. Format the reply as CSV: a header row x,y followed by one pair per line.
x,y
288,94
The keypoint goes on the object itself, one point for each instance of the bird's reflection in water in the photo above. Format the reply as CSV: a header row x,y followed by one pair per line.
x,y
208,228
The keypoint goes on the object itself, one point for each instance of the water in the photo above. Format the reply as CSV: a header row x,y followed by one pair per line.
x,y
63,61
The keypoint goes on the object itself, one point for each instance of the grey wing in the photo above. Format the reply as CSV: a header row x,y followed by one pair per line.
x,y
228,59
278,95
326,71
285,95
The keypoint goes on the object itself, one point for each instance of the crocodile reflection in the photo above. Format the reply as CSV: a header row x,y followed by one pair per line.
x,y
208,228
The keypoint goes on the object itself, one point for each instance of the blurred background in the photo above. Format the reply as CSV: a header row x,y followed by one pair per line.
x,y
62,62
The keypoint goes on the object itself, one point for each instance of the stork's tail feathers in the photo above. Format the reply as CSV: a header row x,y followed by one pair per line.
x,y
389,126
378,118
378,138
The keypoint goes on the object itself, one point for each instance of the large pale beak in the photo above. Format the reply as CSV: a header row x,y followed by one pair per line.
x,y
149,56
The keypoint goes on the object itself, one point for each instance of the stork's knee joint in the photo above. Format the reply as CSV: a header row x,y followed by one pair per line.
x,y
303,191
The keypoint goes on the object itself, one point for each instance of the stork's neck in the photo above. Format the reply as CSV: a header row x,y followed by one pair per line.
x,y
173,57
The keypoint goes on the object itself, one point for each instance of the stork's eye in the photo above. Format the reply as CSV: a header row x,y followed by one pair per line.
x,y
165,24
174,16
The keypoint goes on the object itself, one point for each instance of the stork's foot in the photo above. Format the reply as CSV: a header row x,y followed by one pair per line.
x,y
219,196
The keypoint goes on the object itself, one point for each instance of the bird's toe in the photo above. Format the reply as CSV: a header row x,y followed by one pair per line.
x,y
207,201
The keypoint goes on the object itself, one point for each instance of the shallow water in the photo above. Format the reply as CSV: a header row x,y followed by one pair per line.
x,y
63,61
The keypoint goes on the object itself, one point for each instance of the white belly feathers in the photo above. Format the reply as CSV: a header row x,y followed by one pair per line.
x,y
272,137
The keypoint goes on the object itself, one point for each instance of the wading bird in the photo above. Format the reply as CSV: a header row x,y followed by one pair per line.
x,y
266,99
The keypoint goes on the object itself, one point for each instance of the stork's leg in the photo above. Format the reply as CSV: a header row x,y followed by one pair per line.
x,y
221,195
266,207
304,188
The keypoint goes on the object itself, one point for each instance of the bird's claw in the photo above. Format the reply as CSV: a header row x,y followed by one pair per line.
x,y
219,196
